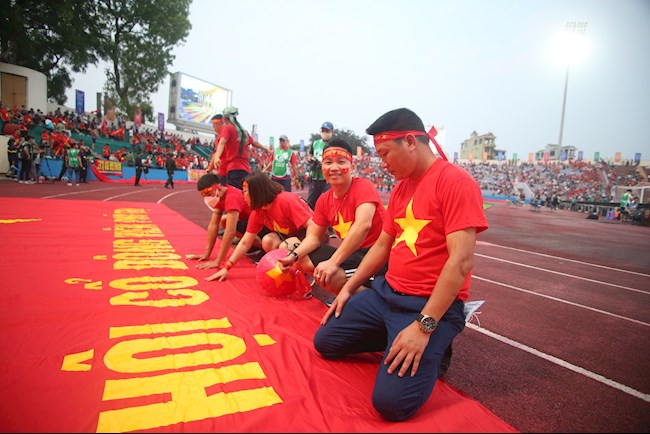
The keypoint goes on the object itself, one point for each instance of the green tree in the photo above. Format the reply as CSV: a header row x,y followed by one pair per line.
x,y
53,37
349,136
137,41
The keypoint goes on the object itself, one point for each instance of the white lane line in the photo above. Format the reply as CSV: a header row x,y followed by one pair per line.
x,y
77,192
562,301
601,379
483,243
125,194
162,199
573,276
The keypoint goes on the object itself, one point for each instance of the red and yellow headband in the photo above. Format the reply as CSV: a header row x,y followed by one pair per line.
x,y
334,152
387,136
210,189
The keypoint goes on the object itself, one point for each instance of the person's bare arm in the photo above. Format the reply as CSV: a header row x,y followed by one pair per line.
x,y
213,231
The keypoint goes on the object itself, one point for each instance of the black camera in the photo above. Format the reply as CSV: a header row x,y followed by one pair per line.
x,y
314,164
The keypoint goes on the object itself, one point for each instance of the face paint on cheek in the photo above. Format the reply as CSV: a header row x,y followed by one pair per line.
x,y
326,171
345,170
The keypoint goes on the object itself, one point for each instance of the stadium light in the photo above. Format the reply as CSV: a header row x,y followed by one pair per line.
x,y
572,47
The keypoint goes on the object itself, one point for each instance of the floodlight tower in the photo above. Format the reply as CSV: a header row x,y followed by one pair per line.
x,y
574,33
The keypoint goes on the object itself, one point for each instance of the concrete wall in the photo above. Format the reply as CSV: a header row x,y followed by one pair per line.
x,y
36,85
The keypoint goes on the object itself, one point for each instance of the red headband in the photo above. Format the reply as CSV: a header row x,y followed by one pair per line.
x,y
211,188
337,152
387,136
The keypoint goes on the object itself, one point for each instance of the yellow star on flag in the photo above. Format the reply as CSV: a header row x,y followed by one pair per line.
x,y
278,276
411,228
277,228
343,227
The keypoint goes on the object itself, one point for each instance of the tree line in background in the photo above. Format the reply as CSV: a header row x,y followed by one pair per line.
x,y
135,38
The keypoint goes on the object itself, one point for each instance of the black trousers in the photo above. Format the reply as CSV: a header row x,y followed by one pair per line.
x,y
138,174
170,179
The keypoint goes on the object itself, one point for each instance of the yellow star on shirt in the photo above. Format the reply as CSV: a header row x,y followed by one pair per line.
x,y
278,276
343,227
411,228
277,228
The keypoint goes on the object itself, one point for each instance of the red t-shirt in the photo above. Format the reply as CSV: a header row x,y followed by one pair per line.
x,y
420,214
233,200
287,214
339,213
233,159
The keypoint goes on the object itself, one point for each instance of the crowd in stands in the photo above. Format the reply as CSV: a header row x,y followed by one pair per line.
x,y
59,128
580,181
574,181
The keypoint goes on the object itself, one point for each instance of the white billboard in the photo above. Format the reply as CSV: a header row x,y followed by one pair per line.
x,y
193,102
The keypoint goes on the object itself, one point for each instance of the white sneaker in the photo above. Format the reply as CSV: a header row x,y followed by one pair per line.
x,y
69,183
77,185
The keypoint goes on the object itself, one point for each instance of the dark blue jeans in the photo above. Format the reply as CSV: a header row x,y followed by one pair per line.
x,y
370,321
316,188
285,182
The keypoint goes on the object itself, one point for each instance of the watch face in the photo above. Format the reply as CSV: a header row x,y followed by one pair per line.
x,y
427,324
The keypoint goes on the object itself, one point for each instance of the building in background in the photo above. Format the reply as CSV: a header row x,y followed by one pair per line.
x,y
554,154
480,147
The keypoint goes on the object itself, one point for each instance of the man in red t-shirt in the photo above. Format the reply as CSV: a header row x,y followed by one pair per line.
x,y
229,210
276,216
414,312
353,208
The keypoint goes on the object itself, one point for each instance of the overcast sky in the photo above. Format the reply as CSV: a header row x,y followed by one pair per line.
x,y
465,65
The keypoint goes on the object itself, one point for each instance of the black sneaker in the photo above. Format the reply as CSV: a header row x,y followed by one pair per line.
x,y
331,232
445,363
258,258
253,251
330,300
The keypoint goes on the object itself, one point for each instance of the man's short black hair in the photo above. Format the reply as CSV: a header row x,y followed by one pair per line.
x,y
337,142
217,116
401,119
207,181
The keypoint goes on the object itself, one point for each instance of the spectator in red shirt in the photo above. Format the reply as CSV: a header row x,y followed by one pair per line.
x,y
413,313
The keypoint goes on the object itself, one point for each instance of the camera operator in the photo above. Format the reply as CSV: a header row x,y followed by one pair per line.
x,y
37,153
25,155
317,183
86,158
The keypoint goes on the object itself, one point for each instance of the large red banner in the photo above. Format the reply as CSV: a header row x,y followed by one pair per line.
x,y
107,328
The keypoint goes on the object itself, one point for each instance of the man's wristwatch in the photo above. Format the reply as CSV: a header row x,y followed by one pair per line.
x,y
428,323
